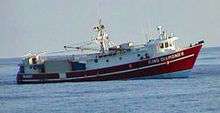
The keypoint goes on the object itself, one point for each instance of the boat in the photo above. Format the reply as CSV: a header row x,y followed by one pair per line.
x,y
160,57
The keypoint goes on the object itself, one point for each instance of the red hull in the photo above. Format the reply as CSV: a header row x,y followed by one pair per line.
x,y
179,61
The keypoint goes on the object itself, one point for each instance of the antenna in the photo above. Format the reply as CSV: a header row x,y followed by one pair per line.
x,y
159,28
100,21
99,9
147,32
146,36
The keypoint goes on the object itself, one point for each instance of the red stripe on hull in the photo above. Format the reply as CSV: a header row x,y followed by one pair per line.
x,y
165,68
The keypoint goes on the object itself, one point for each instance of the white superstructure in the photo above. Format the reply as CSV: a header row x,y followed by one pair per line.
x,y
107,55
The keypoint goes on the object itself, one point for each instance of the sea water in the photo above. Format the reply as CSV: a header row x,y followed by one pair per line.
x,y
198,93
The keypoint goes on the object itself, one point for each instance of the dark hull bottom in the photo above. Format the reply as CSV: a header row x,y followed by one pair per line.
x,y
180,74
176,65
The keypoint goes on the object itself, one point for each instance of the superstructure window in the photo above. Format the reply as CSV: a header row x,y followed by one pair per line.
x,y
96,60
146,55
166,45
161,45
141,58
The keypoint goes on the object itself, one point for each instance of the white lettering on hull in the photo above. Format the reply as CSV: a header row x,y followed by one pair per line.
x,y
27,76
166,58
62,76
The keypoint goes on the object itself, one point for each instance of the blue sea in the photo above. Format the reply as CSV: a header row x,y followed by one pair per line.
x,y
200,93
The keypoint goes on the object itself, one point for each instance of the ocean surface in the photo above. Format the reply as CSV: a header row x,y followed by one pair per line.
x,y
200,93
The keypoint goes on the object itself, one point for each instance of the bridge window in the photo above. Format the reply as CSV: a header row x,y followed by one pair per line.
x,y
166,45
161,45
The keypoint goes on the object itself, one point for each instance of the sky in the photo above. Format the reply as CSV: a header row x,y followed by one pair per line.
x,y
39,25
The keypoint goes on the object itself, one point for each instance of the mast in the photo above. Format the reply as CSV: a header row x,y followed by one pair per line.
x,y
102,37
